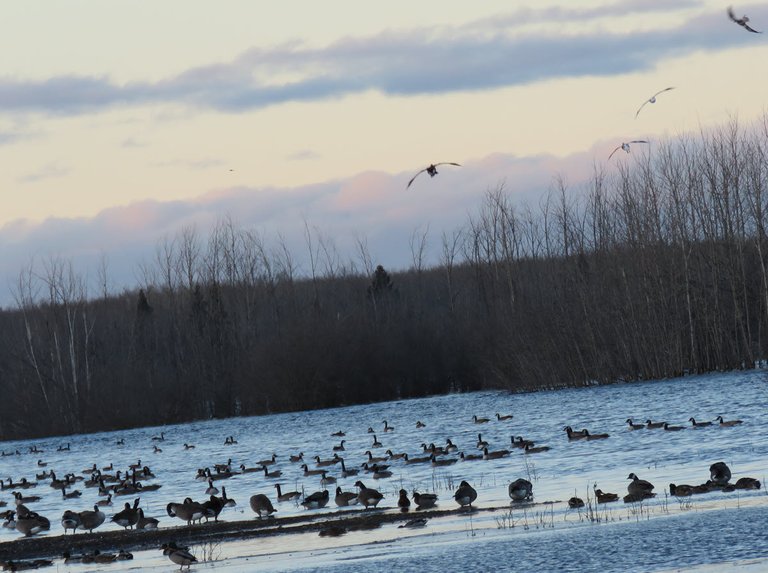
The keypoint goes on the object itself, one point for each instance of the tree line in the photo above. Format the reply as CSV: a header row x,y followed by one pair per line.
x,y
656,267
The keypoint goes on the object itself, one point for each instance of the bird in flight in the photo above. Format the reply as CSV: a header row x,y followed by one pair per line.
x,y
651,99
625,146
741,21
432,170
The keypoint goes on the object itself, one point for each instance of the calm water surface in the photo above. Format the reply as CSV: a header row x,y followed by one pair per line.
x,y
664,534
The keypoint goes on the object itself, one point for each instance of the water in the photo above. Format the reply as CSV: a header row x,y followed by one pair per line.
x,y
711,529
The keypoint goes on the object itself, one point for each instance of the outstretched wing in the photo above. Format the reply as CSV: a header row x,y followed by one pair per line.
x,y
614,151
662,91
414,177
751,29
638,141
641,107
731,15
448,163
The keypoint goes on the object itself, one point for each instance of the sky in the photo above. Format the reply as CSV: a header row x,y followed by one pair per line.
x,y
123,122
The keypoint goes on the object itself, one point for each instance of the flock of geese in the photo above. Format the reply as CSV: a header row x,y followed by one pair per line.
x,y
134,481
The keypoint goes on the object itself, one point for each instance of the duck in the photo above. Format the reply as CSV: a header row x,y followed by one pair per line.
x,y
633,426
696,424
316,500
573,434
91,519
605,497
477,420
368,496
387,427
272,474
403,502
261,505
728,423
128,516
481,443
520,490
669,428
575,502
465,495
438,463
424,500
99,557
340,447
654,425
420,424
719,473
639,487
287,496
145,522
70,520
495,454
347,472
376,443
535,449
345,498
589,436
504,418
180,557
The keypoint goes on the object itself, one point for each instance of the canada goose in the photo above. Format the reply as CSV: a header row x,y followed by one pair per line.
x,y
32,523
573,434
424,500
367,496
465,495
309,472
74,494
633,426
9,519
214,505
146,522
180,557
42,476
413,523
477,420
605,497
536,449
420,460
135,466
654,425
261,505
374,459
625,146
160,438
741,21
245,470
347,473
403,502
719,473
669,428
639,487
317,500
747,483
90,470
470,457
105,502
108,468
504,418
371,430
442,462
340,447
41,464
495,454
20,499
338,434
189,446
227,466
375,467
575,503
481,443
589,436
123,555
450,447
298,458
393,456
58,483
157,450
70,520
728,423
431,169
520,490
188,510
519,442
380,472
287,496
682,490
272,474
90,520
696,424
387,427
267,462
212,489
151,487
651,99
420,424
120,442
376,443
129,516
432,449
326,479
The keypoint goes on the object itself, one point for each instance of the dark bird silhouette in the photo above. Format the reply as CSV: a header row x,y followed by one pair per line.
x,y
431,169
625,146
741,21
652,99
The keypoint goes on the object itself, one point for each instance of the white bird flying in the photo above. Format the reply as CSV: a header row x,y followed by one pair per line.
x,y
652,99
625,146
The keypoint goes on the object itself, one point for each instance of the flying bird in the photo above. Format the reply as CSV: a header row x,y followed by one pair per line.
x,y
741,21
625,146
651,99
431,169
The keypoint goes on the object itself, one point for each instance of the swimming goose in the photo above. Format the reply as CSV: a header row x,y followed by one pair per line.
x,y
393,456
272,474
605,497
652,99
20,499
639,487
633,426
340,447
420,424
669,428
375,467
129,516
376,459
347,473
230,441
326,479
345,498
720,473
160,438
90,520
477,420
747,483
371,430
70,520
575,503
146,522
470,457
696,424
317,500
376,443
494,455
520,490
536,450
432,449
424,500
157,450
741,21
287,496
654,425
329,462
212,489
32,523
261,505
309,472
421,460
368,496
298,458
120,442
246,470
431,169
189,447
450,447
180,557
519,442
41,464
387,427
465,495
728,423
403,502
267,462
90,470
74,494
338,434
380,472
442,462
573,434
504,418
135,466
590,437
481,443
105,502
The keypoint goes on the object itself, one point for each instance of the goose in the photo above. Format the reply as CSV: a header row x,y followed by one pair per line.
x,y
74,494
573,434
32,523
120,442
625,146
669,428
728,423
180,557
376,443
146,522
431,169
329,462
393,456
317,500
105,502
477,420
413,523
347,473
309,472
696,424
42,476
374,467
157,450
297,458
652,99
261,505
747,483
639,488
338,434
371,430
227,466
89,470
495,454
108,468
90,520
741,21
589,436
424,500
469,457
160,438
326,479
481,443
605,497
188,510
380,472
420,424
272,474
442,462
504,418
575,503
287,496
70,520
20,499
519,442
387,427
10,519
719,473
63,448
245,470
99,557
57,483
421,460
633,426
520,490
654,425
135,466
536,449
189,446
340,447
267,462
129,516
374,459
214,505
123,555
465,495
212,489
367,496
41,464
152,487
345,498
403,502
682,490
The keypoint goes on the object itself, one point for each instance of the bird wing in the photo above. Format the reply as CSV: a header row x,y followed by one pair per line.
x,y
614,151
638,141
731,15
641,107
751,29
662,91
448,163
414,177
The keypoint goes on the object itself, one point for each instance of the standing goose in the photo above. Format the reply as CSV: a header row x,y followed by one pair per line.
x,y
368,496
188,510
403,502
261,505
719,473
287,496
520,490
90,520
728,423
129,516
317,500
696,424
70,520
465,495
639,488
32,523
146,522
424,500
345,498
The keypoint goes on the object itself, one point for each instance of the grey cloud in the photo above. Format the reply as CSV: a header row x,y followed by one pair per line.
x,y
50,171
